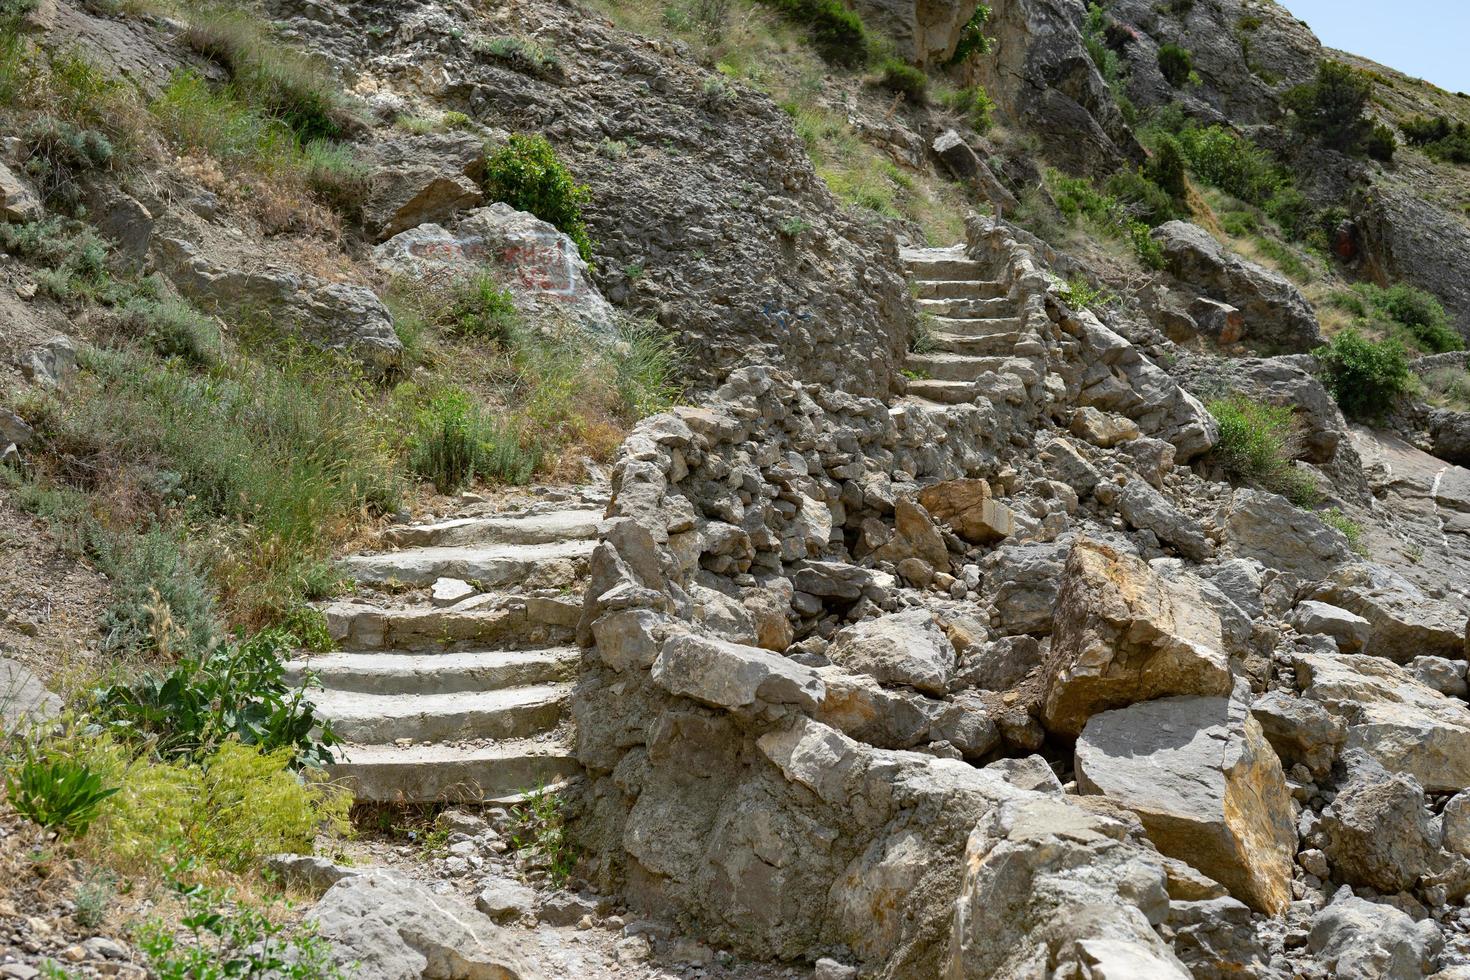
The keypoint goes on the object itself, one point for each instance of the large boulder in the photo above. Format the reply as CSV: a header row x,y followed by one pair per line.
x,y
18,202
1348,630
916,536
1280,535
924,32
1403,622
1300,730
1206,784
1145,508
1121,635
905,648
1277,315
731,675
1397,721
1449,433
1354,939
390,928
421,178
970,509
1378,830
539,264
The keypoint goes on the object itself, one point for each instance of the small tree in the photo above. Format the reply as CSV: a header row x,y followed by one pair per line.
x,y
1176,63
1365,377
1167,167
1381,143
1330,108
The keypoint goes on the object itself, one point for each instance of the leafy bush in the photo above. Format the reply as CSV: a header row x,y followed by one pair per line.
x,y
74,256
455,441
1439,136
230,939
1380,143
1167,166
1330,108
1256,447
233,691
483,309
1230,162
1334,518
1081,294
645,361
902,77
526,174
1077,198
975,104
172,328
1141,197
837,32
539,828
1176,63
1403,307
58,794
972,37
1365,376
1291,210
58,153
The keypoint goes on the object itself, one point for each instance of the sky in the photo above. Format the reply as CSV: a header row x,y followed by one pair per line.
x,y
1424,38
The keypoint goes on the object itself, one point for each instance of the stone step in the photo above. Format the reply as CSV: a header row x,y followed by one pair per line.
x,y
460,715
449,774
943,392
943,266
994,346
952,367
514,622
578,524
436,673
998,306
489,566
958,289
976,326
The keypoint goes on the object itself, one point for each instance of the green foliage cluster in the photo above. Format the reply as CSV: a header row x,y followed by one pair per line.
x,y
1334,518
58,153
1381,144
1109,63
1167,167
975,104
74,256
57,794
899,76
526,174
231,939
539,828
234,690
1077,198
455,440
483,309
1257,445
1365,376
1439,136
1231,162
972,37
172,328
1413,315
1176,63
524,54
836,31
1331,107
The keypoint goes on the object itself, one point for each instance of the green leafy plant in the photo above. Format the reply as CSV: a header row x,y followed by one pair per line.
x,y
483,309
1076,198
972,39
1334,518
1230,162
1257,445
523,53
1439,136
1365,376
1414,314
235,690
527,175
1167,168
1380,143
539,827
836,31
900,76
59,794
173,328
794,227
92,898
975,104
1176,63
1080,293
58,153
1330,107
229,940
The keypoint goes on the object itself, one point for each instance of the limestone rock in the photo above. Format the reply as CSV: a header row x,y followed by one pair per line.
x,y
421,178
1146,509
1277,314
1441,674
308,871
1216,939
541,265
1103,429
17,201
968,167
51,364
14,429
1405,726
1404,622
1449,433
914,536
1349,630
1123,635
925,32
904,648
1270,529
1455,823
1378,830
390,928
1207,785
730,675
1300,730
969,509
448,591
24,700
860,707
1358,940
505,901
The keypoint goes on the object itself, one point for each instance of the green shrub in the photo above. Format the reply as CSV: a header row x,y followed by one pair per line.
x,y
1176,63
526,55
1439,136
233,691
1167,166
74,256
1334,518
1083,295
1330,108
526,174
1293,213
975,104
1380,143
197,116
972,37
1143,199
836,31
1077,198
455,441
1230,162
646,362
172,328
1403,307
1365,376
1094,38
230,939
539,827
56,156
61,795
336,176
902,77
481,308
1256,447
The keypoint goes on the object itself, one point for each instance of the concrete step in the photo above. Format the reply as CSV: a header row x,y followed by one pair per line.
x,y
436,673
976,326
944,265
943,392
513,622
552,526
489,566
952,367
993,346
998,306
460,715
958,289
449,774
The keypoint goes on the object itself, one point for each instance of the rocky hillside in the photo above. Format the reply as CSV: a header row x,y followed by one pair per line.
x,y
715,488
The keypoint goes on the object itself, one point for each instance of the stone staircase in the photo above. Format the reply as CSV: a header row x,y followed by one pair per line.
x,y
974,326
456,655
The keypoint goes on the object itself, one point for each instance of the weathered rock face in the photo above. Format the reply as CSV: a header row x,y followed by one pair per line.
x,y
969,509
1405,237
924,32
906,648
1207,786
540,265
1279,535
24,700
1360,940
1401,621
1301,731
1278,317
1378,830
1123,635
1450,432
1348,630
420,179
18,202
